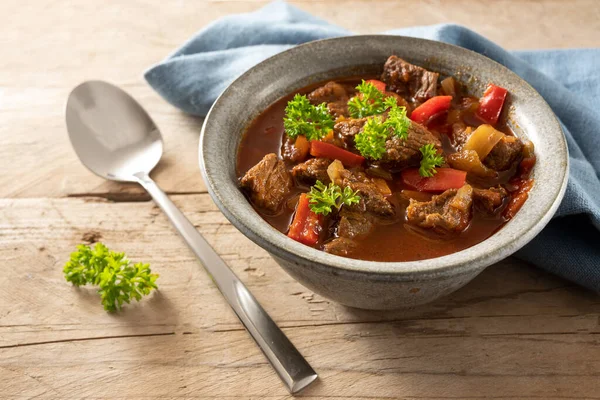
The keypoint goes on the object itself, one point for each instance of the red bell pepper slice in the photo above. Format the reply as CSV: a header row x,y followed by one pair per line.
x,y
490,104
307,225
526,166
322,149
518,197
378,84
445,178
431,109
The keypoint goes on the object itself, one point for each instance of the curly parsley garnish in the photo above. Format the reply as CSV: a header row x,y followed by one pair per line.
x,y
369,101
303,118
371,140
323,199
397,121
119,280
430,160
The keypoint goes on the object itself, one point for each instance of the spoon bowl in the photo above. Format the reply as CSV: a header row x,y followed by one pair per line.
x,y
113,136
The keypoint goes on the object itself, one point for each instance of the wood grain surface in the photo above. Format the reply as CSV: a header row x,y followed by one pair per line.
x,y
514,332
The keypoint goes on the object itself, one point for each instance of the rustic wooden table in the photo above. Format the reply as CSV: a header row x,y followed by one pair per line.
x,y
514,332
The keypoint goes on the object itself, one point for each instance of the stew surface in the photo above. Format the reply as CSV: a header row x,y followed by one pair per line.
x,y
399,167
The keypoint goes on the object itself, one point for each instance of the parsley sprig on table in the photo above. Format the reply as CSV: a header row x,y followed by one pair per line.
x,y
371,140
119,280
369,101
430,160
303,118
323,199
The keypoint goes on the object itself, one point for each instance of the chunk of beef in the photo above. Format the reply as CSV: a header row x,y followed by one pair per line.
x,y
505,154
268,182
401,153
409,80
354,225
489,200
371,199
290,152
346,130
330,92
335,95
311,171
445,213
340,246
338,108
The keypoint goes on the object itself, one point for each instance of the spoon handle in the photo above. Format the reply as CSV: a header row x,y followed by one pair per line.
x,y
291,367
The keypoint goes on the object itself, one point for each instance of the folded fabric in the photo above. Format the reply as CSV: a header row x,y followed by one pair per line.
x,y
569,80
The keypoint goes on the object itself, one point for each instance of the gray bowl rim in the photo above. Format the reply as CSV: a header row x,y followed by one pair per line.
x,y
505,241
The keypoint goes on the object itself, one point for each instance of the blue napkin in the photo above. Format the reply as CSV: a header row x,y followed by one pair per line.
x,y
193,76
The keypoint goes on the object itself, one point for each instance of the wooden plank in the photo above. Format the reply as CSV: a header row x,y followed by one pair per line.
x,y
370,360
513,332
81,41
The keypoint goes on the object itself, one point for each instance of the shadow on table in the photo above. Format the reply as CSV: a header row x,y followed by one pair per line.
x,y
155,311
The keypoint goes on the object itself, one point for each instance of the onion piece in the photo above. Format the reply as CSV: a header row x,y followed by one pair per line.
x,y
528,149
449,86
463,200
334,171
483,140
469,161
382,186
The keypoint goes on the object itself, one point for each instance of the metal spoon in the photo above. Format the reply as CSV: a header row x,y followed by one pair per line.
x,y
116,139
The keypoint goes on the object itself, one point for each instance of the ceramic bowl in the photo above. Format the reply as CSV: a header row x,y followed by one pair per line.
x,y
369,284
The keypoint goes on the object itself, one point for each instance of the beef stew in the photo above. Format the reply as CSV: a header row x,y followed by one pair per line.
x,y
401,167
